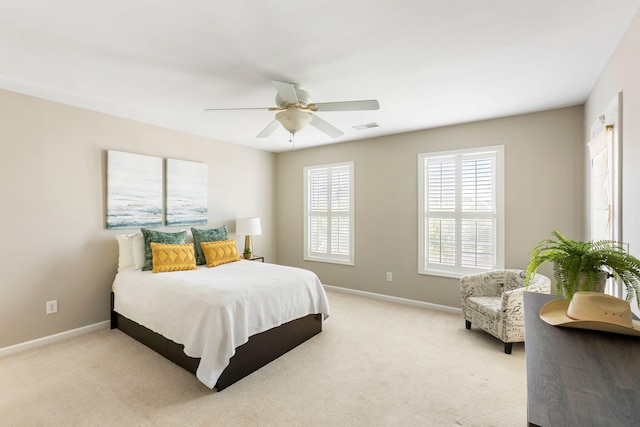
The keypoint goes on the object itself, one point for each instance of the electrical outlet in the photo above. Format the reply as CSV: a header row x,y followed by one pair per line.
x,y
52,306
389,276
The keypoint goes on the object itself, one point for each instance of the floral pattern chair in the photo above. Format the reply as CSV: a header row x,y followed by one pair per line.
x,y
493,301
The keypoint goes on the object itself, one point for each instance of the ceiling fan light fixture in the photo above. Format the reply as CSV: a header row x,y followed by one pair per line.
x,y
294,119
296,111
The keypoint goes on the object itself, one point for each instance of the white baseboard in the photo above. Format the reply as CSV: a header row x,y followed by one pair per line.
x,y
398,300
104,325
54,338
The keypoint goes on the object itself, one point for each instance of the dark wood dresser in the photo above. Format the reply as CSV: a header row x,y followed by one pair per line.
x,y
577,377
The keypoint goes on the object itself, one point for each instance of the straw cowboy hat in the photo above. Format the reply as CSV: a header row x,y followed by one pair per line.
x,y
592,310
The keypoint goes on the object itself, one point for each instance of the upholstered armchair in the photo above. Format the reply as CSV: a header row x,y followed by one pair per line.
x,y
493,302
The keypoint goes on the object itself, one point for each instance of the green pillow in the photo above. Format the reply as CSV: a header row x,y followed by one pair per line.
x,y
158,237
207,235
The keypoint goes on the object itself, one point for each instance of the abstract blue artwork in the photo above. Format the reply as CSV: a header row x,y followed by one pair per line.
x,y
186,192
134,190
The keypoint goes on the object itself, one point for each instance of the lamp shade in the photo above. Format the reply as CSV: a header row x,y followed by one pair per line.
x,y
294,119
248,226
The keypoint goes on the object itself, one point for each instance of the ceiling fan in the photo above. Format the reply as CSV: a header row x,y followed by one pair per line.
x,y
295,110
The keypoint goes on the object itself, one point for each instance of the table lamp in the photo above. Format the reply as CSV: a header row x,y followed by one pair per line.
x,y
248,227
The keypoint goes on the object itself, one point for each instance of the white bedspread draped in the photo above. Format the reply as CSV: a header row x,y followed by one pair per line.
x,y
211,311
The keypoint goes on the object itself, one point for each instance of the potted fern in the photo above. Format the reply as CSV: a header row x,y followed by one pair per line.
x,y
585,266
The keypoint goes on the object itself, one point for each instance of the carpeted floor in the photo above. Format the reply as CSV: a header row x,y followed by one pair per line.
x,y
375,364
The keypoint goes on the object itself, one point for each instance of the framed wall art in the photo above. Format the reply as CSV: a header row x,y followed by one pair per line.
x,y
134,190
186,192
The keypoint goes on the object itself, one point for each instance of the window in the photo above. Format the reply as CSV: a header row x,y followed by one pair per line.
x,y
328,224
605,185
461,219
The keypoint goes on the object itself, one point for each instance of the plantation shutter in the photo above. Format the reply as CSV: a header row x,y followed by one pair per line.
x,y
318,211
441,212
478,213
329,213
602,185
340,207
460,212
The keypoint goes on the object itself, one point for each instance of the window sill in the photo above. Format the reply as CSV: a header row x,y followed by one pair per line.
x,y
438,273
330,261
455,274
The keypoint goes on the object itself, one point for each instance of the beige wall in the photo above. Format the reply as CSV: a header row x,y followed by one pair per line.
x,y
52,190
621,74
544,191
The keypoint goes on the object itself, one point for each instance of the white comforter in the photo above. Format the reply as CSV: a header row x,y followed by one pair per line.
x,y
211,311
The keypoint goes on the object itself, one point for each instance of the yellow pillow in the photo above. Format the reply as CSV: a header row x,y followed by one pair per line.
x,y
176,257
220,252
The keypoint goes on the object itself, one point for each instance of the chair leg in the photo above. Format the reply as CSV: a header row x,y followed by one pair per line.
x,y
467,324
507,347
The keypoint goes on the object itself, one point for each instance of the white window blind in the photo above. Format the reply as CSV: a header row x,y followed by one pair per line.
x,y
460,211
329,213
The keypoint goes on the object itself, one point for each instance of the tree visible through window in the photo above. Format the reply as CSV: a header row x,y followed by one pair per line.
x,y
329,213
460,211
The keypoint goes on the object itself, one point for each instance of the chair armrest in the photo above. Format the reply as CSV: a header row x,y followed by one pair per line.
x,y
541,285
513,300
515,297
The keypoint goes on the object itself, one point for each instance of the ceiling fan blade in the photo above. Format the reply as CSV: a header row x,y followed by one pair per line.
x,y
287,91
271,127
238,108
326,127
368,104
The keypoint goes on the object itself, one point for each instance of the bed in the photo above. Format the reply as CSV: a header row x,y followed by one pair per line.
x,y
220,323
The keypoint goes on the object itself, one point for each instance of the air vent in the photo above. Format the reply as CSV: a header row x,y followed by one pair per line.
x,y
366,126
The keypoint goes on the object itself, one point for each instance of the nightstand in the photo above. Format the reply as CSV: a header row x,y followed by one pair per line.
x,y
256,258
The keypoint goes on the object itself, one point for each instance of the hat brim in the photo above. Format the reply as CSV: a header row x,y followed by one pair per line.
x,y
555,313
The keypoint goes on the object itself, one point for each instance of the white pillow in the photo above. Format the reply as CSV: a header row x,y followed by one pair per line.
x,y
130,251
124,251
137,251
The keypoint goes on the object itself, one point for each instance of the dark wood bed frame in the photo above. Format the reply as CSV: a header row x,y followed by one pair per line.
x,y
251,356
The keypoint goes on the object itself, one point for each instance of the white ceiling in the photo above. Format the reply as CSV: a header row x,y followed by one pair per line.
x,y
429,63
